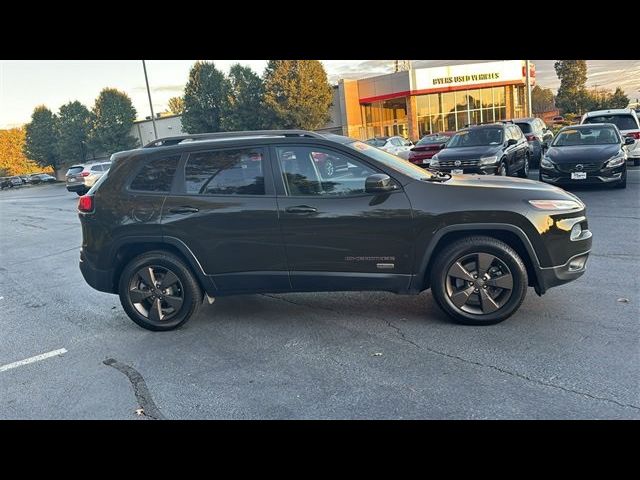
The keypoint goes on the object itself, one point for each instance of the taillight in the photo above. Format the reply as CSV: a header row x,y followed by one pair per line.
x,y
85,203
84,174
530,137
635,135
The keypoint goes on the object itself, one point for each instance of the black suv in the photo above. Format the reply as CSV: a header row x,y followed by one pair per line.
x,y
496,148
194,217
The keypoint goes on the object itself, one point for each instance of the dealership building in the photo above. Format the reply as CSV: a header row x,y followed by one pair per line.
x,y
410,103
416,102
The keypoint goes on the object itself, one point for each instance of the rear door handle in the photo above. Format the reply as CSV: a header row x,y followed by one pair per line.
x,y
301,209
184,210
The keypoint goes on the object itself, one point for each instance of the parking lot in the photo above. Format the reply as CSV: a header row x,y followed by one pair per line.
x,y
573,353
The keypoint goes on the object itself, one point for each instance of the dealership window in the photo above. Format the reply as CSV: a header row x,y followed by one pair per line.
x,y
386,118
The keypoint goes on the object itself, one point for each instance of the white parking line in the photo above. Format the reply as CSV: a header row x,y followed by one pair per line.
x,y
29,360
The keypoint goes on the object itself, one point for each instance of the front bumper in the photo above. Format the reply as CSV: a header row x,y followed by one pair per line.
x,y
599,177
553,276
474,170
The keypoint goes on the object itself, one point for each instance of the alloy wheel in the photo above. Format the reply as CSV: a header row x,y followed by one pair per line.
x,y
479,283
503,170
156,293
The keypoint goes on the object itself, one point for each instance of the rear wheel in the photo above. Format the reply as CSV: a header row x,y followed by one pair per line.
x,y
524,172
479,280
158,291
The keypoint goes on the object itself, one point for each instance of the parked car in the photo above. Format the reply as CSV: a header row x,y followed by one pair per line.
x,y
538,136
16,181
41,178
170,226
587,154
627,122
497,148
428,146
394,145
558,120
5,182
80,178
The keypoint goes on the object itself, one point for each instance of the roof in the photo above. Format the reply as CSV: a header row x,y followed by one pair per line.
x,y
612,111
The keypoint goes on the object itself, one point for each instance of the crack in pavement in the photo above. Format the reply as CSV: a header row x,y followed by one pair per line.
x,y
479,364
143,396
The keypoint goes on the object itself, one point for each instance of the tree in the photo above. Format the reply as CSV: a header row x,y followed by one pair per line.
x,y
176,105
40,138
206,99
114,115
245,100
13,161
73,128
572,93
296,94
542,99
617,100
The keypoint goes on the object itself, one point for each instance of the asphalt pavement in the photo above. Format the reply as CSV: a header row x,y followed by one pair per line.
x,y
571,354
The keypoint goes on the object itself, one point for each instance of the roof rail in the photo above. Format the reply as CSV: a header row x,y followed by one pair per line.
x,y
168,141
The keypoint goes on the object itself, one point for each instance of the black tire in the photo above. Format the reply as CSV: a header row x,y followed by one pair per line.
x,y
502,302
80,192
185,288
502,171
524,171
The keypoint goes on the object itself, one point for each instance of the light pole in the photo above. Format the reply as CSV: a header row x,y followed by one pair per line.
x,y
153,117
528,89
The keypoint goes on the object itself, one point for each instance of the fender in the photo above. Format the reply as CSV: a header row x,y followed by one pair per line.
x,y
205,280
419,278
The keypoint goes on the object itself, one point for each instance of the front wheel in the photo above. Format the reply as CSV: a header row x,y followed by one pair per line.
x,y
158,291
502,169
479,280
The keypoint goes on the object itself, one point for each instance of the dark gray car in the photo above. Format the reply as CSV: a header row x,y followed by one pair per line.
x,y
538,136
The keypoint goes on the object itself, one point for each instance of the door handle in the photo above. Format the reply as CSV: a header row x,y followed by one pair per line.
x,y
184,210
301,209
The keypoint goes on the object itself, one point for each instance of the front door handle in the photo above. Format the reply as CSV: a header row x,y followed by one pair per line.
x,y
184,210
301,209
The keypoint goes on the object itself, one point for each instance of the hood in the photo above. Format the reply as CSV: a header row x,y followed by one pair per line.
x,y
582,153
495,181
464,153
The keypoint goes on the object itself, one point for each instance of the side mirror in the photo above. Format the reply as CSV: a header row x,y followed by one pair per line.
x,y
511,141
629,140
379,183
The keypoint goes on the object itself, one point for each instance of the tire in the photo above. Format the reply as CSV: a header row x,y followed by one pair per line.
x,y
502,169
524,171
184,293
80,192
496,304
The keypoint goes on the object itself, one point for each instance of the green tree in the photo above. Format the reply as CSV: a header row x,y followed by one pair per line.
x,y
542,99
113,115
617,100
245,100
296,94
40,140
572,93
73,129
176,105
206,99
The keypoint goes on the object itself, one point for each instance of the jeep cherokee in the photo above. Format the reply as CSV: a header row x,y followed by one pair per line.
x,y
199,216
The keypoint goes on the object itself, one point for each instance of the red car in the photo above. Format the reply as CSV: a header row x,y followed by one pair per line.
x,y
428,146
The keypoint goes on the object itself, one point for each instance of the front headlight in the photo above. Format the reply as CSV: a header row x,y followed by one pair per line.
x,y
619,159
488,160
555,204
546,162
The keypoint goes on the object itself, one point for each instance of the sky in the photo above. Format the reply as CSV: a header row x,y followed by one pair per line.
x,y
26,84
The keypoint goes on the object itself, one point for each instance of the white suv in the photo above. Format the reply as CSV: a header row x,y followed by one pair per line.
x,y
627,122
80,178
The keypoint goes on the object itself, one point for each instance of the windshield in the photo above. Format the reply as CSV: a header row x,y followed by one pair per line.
x,y
391,161
435,138
586,136
623,122
376,142
476,137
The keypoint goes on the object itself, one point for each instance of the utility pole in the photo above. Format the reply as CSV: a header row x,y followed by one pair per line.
x,y
153,117
530,113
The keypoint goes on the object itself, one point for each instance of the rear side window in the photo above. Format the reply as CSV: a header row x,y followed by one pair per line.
x,y
96,168
525,127
74,170
226,172
623,122
156,175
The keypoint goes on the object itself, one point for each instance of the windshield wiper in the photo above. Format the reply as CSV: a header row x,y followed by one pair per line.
x,y
437,177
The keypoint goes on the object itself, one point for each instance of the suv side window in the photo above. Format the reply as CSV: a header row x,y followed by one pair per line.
x,y
156,175
226,172
304,172
96,168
